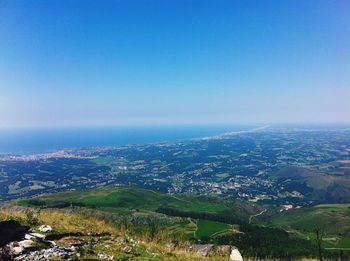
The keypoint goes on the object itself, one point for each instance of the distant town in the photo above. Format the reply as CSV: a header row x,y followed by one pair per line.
x,y
288,168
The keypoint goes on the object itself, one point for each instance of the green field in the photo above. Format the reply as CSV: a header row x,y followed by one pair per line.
x,y
207,228
333,218
126,199
130,201
199,228
136,201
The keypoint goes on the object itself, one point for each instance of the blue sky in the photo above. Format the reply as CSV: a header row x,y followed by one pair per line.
x,y
141,62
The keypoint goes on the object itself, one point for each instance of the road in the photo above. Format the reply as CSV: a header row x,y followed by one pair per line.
x,y
251,217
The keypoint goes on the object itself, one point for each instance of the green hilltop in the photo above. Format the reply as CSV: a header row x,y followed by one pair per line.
x,y
138,202
126,200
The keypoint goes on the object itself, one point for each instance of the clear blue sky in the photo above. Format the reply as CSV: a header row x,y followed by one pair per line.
x,y
173,62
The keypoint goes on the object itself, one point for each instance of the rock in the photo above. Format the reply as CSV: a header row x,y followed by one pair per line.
x,y
16,250
34,236
104,256
235,255
223,250
203,250
118,240
6,254
127,249
45,254
27,243
11,230
45,228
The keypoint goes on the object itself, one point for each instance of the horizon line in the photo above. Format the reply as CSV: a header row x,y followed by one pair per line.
x,y
64,126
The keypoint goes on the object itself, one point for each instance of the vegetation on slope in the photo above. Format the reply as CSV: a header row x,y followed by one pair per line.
x,y
127,200
315,185
333,218
141,212
101,237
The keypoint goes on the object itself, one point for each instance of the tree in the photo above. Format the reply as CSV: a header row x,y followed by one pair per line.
x,y
319,233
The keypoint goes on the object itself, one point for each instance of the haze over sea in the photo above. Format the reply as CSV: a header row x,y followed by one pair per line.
x,y
41,140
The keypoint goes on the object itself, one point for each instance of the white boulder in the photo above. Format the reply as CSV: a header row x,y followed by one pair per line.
x,y
27,243
235,255
34,236
45,228
19,247
17,250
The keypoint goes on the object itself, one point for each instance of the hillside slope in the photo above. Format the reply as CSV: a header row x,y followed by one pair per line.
x,y
315,185
127,200
178,219
333,218
92,238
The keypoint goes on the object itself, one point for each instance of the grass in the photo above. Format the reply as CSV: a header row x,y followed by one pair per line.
x,y
334,218
124,200
207,228
101,237
110,240
127,201
63,221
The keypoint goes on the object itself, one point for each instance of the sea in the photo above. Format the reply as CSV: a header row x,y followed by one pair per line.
x,y
26,141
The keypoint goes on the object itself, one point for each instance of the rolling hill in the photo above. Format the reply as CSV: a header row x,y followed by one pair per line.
x,y
126,200
144,204
333,218
316,186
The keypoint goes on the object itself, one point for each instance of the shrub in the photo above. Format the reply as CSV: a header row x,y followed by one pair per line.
x,y
32,218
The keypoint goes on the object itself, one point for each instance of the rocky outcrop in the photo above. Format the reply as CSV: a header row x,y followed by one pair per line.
x,y
223,250
10,231
218,250
19,244
46,254
202,250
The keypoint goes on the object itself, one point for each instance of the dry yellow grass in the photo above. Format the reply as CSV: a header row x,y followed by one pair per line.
x,y
63,221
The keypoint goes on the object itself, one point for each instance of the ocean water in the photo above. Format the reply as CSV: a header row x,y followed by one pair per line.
x,y
41,140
